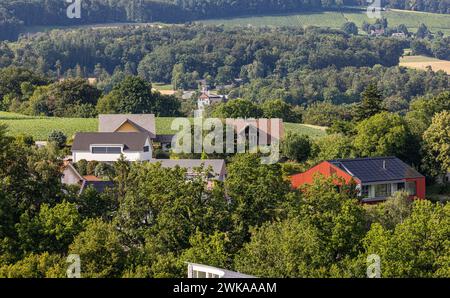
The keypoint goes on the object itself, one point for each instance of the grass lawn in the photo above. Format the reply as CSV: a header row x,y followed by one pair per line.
x,y
304,129
41,127
422,62
334,19
162,86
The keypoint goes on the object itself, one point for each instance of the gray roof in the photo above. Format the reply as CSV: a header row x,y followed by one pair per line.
x,y
132,141
164,138
99,186
217,165
377,169
143,122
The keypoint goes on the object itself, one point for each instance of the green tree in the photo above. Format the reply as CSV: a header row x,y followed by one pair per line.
x,y
52,229
334,146
43,265
282,249
100,250
415,248
237,108
297,147
154,196
436,145
350,28
257,193
423,109
423,32
132,95
68,98
209,249
58,138
395,210
280,109
384,134
371,103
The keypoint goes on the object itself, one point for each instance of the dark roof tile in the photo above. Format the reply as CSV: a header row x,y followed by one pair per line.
x,y
377,169
132,141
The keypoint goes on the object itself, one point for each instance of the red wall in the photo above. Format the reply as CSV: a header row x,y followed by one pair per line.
x,y
325,168
420,187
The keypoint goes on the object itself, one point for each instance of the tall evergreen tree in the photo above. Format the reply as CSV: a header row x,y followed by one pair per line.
x,y
371,103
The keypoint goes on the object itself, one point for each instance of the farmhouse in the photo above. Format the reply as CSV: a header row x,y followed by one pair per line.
x,y
376,178
207,99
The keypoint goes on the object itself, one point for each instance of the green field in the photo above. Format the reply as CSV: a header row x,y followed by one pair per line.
x,y
41,127
435,22
162,86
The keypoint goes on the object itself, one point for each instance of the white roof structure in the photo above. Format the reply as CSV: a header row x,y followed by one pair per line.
x,y
209,270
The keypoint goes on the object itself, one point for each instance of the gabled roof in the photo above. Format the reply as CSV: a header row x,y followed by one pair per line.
x,y
377,169
132,141
69,166
164,138
217,165
273,128
142,122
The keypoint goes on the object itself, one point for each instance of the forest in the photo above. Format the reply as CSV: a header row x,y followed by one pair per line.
x,y
16,14
301,67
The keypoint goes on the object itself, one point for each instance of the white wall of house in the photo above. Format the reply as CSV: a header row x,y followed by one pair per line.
x,y
130,156
69,177
111,157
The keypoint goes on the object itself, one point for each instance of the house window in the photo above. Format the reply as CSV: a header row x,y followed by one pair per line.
x,y
365,191
382,190
411,188
401,186
106,150
202,274
147,149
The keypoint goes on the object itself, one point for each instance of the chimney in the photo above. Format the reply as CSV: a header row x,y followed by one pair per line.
x,y
384,164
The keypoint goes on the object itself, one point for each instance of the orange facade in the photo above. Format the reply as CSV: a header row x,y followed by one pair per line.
x,y
326,169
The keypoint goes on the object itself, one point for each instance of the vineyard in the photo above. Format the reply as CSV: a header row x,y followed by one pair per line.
x,y
40,127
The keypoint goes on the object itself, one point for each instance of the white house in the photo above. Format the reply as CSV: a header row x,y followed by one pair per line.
x,y
108,146
203,271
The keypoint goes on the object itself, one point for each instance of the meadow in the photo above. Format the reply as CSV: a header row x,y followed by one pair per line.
x,y
335,19
40,127
423,62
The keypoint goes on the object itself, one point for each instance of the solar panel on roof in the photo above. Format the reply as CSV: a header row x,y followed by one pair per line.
x,y
377,169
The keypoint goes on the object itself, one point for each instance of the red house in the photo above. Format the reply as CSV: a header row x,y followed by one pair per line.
x,y
376,178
